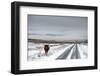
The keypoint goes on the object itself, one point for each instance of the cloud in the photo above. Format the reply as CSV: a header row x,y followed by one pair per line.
x,y
58,27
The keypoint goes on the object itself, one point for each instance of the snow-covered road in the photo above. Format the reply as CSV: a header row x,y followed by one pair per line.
x,y
57,52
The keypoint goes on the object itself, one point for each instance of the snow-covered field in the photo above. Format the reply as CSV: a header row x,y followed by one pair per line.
x,y
57,51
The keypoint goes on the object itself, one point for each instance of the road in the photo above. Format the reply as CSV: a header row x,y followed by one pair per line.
x,y
75,53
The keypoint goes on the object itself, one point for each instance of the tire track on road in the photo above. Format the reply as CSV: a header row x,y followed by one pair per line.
x,y
65,54
76,54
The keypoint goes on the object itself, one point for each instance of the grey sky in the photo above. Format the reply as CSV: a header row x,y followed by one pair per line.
x,y
53,27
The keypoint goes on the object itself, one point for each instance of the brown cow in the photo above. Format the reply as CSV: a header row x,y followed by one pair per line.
x,y
46,49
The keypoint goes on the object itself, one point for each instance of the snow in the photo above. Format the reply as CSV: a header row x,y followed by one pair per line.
x,y
36,51
83,49
70,54
59,52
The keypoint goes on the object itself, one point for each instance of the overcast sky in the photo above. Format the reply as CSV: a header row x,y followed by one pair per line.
x,y
53,27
